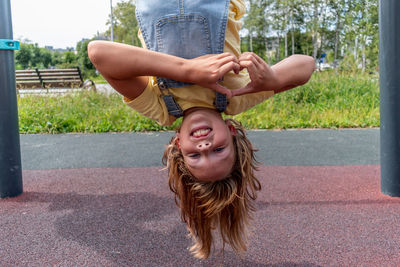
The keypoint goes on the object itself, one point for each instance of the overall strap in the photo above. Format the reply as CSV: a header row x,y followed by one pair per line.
x,y
172,106
220,102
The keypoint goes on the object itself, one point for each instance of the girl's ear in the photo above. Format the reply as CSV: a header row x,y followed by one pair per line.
x,y
177,141
232,128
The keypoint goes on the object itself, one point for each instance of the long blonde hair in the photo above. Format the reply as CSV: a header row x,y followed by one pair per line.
x,y
226,205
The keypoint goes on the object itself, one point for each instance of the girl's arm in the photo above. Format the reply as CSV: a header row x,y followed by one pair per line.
x,y
286,74
127,67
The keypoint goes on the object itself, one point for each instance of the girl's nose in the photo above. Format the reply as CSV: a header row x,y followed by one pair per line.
x,y
203,145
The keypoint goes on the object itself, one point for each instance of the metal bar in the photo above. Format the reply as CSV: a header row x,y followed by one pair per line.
x,y
10,154
389,27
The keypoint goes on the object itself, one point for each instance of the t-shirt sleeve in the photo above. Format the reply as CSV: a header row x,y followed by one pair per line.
x,y
151,105
239,7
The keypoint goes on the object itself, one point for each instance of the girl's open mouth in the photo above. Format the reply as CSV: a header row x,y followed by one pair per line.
x,y
201,132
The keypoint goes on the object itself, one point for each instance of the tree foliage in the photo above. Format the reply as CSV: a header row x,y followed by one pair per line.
x,y
83,59
124,23
345,30
31,56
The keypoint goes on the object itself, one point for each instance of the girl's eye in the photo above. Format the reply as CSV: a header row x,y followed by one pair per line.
x,y
195,155
219,149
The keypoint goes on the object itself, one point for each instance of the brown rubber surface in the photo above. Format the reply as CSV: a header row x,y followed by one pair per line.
x,y
307,216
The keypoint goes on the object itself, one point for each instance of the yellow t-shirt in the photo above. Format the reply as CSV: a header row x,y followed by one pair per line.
x,y
151,104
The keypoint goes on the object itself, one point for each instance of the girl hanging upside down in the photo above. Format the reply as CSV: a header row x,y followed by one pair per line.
x,y
191,66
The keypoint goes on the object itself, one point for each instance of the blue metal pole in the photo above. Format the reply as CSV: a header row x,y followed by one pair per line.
x,y
389,55
10,154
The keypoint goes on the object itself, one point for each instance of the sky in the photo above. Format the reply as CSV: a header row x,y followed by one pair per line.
x,y
59,23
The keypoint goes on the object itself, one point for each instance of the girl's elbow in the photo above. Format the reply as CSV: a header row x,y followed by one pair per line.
x,y
308,69
95,52
308,65
311,63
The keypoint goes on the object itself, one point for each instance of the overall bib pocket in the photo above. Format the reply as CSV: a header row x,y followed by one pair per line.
x,y
177,35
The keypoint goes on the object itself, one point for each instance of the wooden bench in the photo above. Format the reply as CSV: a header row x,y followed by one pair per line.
x,y
51,78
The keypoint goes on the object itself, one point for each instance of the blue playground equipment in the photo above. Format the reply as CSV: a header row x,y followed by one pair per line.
x,y
10,155
389,46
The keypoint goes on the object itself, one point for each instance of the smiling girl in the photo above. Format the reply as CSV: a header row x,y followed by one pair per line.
x,y
191,66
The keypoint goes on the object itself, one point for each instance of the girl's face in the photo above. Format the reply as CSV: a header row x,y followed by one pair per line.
x,y
206,142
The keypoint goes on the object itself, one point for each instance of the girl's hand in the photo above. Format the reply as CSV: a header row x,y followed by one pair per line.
x,y
263,77
207,70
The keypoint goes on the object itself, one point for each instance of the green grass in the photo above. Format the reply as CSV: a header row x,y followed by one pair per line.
x,y
85,111
99,79
329,100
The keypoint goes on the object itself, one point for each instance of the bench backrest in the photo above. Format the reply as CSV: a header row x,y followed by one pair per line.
x,y
49,78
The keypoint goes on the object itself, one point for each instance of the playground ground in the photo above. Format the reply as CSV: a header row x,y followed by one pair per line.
x,y
103,200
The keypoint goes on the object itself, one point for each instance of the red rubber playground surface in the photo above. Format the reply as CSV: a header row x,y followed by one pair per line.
x,y
306,216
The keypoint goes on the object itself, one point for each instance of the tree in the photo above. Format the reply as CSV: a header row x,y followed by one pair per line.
x,y
361,32
23,56
83,59
32,56
46,57
257,23
57,58
339,9
36,55
334,27
125,23
312,27
278,11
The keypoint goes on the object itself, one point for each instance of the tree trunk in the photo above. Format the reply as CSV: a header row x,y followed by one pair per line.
x,y
286,46
278,49
292,30
267,54
315,26
336,40
251,42
355,49
364,59
286,38
324,26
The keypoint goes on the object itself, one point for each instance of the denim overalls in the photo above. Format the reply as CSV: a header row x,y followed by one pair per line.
x,y
183,28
